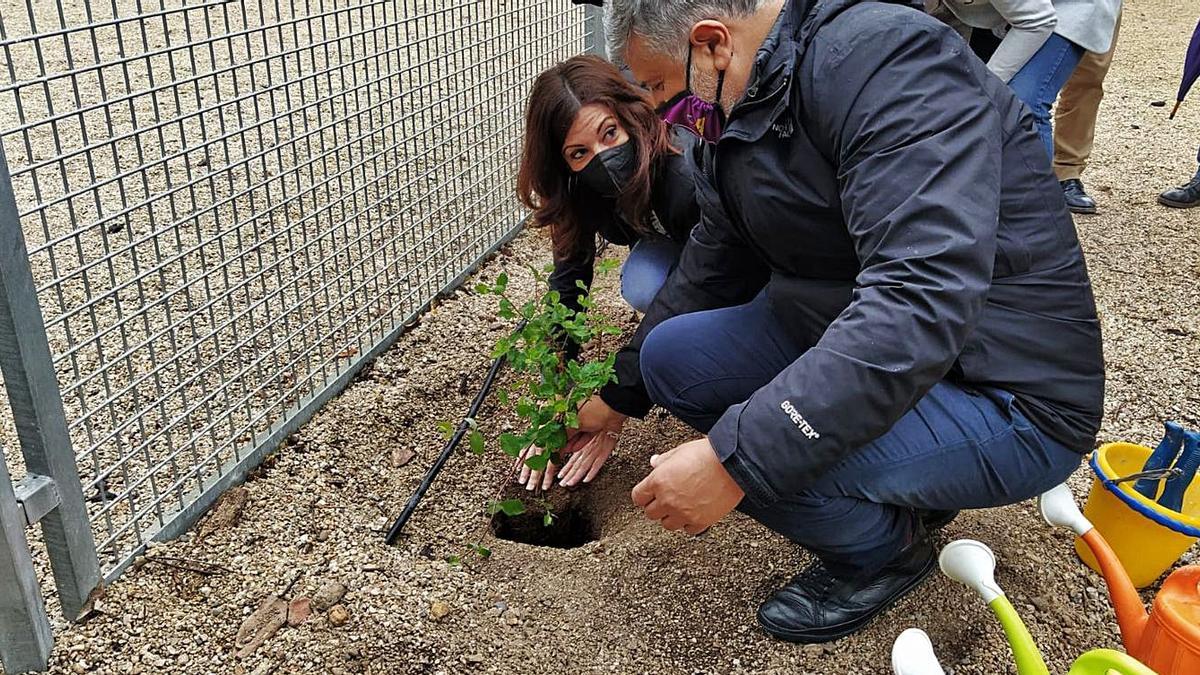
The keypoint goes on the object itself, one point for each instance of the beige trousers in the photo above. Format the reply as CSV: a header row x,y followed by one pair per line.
x,y
1075,115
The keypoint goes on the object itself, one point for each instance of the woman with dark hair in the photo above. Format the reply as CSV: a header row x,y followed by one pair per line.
x,y
600,166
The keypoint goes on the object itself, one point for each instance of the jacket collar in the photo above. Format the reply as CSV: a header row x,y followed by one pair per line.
x,y
772,77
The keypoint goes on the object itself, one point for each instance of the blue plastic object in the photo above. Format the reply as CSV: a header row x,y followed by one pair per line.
x,y
1160,459
1188,462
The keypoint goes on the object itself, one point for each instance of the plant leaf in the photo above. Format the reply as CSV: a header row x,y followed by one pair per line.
x,y
607,265
538,462
446,429
509,507
511,445
476,442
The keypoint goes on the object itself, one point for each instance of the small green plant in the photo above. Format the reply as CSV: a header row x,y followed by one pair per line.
x,y
549,387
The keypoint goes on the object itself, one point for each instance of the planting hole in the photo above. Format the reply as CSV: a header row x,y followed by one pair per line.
x,y
572,528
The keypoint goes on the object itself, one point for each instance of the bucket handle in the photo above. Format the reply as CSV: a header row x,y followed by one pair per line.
x,y
1153,474
1143,509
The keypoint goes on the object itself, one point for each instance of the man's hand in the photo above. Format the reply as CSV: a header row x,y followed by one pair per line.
x,y
687,488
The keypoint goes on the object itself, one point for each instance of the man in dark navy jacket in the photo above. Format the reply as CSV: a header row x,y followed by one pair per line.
x,y
884,315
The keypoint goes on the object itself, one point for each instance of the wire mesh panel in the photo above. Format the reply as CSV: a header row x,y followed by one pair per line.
x,y
228,204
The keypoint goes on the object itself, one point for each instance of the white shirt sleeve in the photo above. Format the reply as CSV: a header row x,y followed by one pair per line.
x,y
1032,23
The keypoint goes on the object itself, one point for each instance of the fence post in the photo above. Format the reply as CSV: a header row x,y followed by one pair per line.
x,y
38,412
25,634
593,26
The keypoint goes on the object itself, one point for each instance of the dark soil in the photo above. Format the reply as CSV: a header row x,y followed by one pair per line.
x,y
570,528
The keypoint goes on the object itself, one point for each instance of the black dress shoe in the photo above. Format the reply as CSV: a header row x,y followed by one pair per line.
x,y
1184,196
1077,198
819,607
934,519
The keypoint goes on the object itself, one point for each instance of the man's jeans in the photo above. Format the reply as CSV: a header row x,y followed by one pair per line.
x,y
1037,83
958,448
646,270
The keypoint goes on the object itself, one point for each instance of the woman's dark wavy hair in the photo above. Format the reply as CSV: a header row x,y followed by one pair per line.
x,y
544,183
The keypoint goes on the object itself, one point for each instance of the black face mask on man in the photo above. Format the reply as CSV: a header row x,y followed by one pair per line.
x,y
611,171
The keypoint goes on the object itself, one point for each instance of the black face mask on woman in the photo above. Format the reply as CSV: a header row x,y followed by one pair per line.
x,y
610,171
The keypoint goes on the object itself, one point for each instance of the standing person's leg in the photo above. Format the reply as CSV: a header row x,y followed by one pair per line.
x,y
1037,83
646,269
1075,124
1185,196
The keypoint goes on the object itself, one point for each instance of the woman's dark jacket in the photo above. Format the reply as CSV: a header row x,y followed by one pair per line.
x,y
673,213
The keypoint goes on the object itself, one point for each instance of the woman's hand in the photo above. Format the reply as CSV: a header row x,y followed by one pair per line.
x,y
592,443
589,448
585,463
595,416
531,478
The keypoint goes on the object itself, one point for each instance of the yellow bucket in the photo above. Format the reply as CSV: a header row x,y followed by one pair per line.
x,y
1146,537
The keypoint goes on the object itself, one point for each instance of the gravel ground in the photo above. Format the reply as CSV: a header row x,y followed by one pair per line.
x,y
249,201
639,599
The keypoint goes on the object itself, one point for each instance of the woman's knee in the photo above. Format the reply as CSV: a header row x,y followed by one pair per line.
x,y
647,268
637,294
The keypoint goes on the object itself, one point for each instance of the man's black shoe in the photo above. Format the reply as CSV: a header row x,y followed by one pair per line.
x,y
1184,196
1077,198
934,519
818,607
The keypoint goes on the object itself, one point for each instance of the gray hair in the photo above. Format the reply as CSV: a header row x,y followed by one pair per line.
x,y
665,24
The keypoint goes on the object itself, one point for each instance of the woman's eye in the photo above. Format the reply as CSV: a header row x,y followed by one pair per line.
x,y
610,132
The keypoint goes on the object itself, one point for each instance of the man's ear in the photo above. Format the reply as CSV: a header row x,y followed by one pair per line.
x,y
713,39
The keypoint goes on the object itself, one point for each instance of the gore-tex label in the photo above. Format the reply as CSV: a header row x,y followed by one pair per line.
x,y
798,419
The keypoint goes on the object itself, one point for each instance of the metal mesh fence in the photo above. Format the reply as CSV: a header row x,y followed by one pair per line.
x,y
228,205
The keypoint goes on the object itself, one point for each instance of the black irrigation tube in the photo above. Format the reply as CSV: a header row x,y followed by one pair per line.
x,y
398,525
